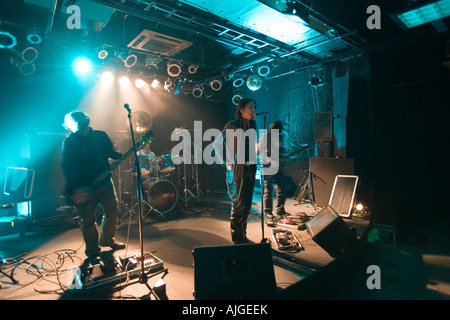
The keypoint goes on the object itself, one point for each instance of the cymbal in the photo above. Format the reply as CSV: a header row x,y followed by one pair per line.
x,y
141,121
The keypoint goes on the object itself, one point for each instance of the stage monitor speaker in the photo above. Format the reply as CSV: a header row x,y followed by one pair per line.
x,y
19,182
323,174
234,272
330,231
343,195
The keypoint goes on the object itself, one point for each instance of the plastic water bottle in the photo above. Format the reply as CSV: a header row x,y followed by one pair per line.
x,y
74,279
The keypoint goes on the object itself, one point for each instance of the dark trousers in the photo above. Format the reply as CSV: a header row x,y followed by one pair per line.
x,y
108,200
270,183
241,193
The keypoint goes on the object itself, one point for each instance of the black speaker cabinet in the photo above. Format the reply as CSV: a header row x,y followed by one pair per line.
x,y
330,231
234,272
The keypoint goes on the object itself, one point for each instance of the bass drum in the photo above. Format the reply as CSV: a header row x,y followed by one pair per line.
x,y
162,195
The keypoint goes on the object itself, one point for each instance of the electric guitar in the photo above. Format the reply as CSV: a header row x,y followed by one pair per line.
x,y
83,196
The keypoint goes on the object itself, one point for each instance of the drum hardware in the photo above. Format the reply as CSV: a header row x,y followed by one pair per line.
x,y
189,193
135,203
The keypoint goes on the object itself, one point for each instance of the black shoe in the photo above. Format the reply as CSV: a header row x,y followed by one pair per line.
x,y
115,245
91,261
247,240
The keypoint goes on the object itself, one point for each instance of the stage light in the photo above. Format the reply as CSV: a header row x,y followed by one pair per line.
x,y
238,82
173,70
359,206
423,14
316,81
124,80
34,38
130,61
167,84
197,92
228,77
192,68
154,83
29,54
216,84
27,68
236,99
7,40
254,82
139,83
82,66
107,76
263,70
102,54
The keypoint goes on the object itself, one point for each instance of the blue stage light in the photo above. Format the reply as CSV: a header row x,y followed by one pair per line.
x,y
82,66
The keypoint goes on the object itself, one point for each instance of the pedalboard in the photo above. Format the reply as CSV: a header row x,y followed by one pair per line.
x,y
118,269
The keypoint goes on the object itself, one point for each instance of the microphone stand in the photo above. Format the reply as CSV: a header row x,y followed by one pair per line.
x,y
143,277
263,239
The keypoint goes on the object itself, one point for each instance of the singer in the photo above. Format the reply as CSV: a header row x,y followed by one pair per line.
x,y
85,155
240,176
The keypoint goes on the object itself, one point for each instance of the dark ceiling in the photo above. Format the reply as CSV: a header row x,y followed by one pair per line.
x,y
178,32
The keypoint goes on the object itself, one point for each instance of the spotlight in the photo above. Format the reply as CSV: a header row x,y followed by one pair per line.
x,y
34,38
154,83
173,70
263,70
236,99
130,61
82,66
192,68
107,76
124,80
27,68
102,54
254,82
216,84
29,54
7,40
167,84
139,83
316,81
361,208
238,82
197,92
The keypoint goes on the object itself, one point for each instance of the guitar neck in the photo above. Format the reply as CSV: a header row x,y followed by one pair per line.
x,y
105,174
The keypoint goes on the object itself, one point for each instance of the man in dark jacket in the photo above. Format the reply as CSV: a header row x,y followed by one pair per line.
x,y
85,155
240,158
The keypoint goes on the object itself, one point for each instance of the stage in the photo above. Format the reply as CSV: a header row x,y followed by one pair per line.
x,y
306,271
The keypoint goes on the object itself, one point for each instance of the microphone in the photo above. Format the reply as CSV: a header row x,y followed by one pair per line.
x,y
261,114
126,106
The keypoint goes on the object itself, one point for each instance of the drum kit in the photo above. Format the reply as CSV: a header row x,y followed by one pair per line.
x,y
164,184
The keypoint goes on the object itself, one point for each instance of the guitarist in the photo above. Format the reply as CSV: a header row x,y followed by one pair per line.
x,y
84,157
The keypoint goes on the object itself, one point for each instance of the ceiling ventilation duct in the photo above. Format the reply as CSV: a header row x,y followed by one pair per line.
x,y
157,43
